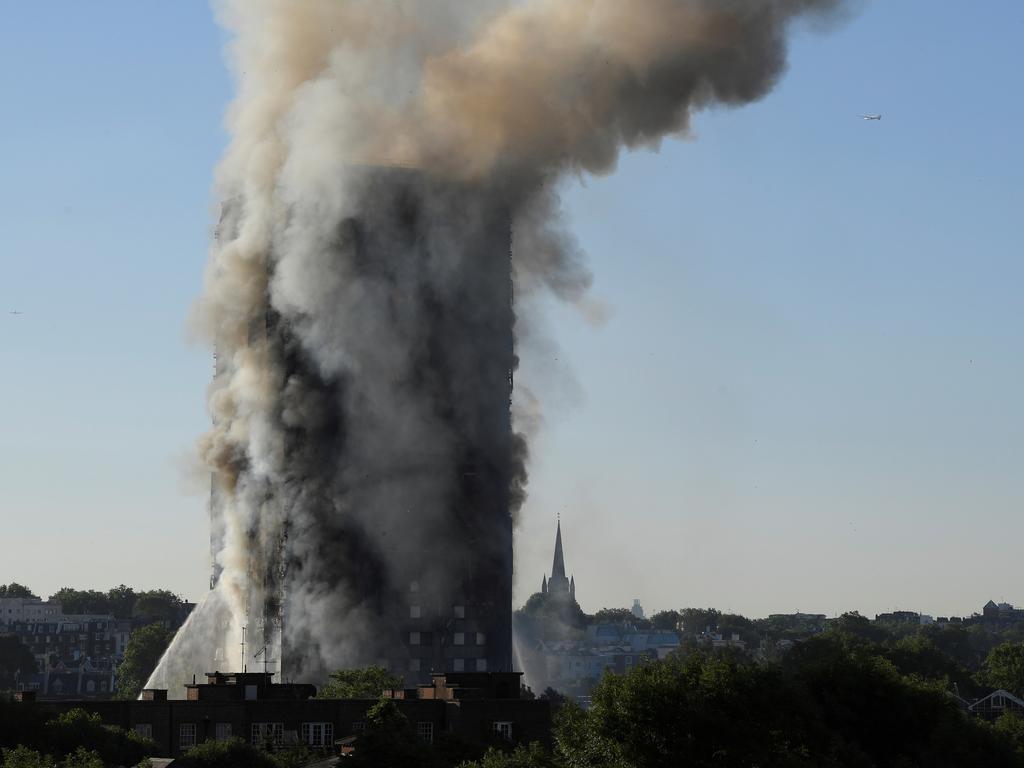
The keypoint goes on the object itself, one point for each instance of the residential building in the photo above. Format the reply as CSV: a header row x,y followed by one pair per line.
x,y
480,708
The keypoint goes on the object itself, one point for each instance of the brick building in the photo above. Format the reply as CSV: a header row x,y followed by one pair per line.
x,y
478,708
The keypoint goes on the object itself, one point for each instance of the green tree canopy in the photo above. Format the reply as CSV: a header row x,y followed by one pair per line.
x,y
145,647
121,601
613,616
390,741
666,620
14,589
82,601
363,683
1004,668
532,756
231,753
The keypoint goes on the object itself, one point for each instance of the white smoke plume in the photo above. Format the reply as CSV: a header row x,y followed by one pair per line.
x,y
353,390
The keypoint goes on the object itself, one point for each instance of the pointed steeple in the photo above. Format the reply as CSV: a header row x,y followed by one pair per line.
x,y
572,587
558,567
544,586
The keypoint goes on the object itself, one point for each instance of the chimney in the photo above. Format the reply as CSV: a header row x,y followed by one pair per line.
x,y
154,694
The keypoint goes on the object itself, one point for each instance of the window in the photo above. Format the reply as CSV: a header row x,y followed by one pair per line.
x,y
414,665
187,736
222,731
90,686
251,692
317,734
460,611
481,638
503,729
414,611
481,665
358,726
414,586
145,730
425,731
414,638
459,665
103,686
460,638
267,732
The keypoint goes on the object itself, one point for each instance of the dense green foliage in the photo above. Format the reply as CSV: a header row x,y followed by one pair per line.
x,y
1004,667
14,589
364,683
145,647
77,738
122,602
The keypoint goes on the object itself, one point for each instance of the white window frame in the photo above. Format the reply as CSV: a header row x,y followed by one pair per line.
x,y
481,638
358,726
459,638
222,731
481,665
502,729
414,612
425,731
458,665
414,638
459,611
187,735
317,734
145,730
262,732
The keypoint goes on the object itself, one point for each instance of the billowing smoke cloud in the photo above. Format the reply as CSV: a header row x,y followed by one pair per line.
x,y
358,292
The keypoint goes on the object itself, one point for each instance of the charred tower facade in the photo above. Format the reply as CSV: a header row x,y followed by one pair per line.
x,y
385,535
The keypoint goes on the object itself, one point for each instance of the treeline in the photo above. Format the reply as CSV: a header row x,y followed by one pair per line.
x,y
121,602
76,739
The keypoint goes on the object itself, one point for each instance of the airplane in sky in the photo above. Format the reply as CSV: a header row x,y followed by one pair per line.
x,y
872,117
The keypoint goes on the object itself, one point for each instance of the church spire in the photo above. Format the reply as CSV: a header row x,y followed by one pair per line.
x,y
558,567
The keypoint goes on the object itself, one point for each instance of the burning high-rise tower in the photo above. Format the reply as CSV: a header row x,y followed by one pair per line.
x,y
365,468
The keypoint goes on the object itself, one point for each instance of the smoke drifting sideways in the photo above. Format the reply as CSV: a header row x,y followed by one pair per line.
x,y
498,100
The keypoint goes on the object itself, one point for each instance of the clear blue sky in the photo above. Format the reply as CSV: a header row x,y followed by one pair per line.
x,y
807,395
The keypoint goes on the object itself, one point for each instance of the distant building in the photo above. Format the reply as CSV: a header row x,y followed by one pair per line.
x,y
637,610
558,584
28,609
1001,612
904,617
995,704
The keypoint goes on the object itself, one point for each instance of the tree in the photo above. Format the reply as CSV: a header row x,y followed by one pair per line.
x,y
14,658
23,757
666,620
389,741
1004,667
78,729
121,600
145,647
231,753
14,589
364,683
83,758
532,756
694,620
82,601
613,616
157,605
